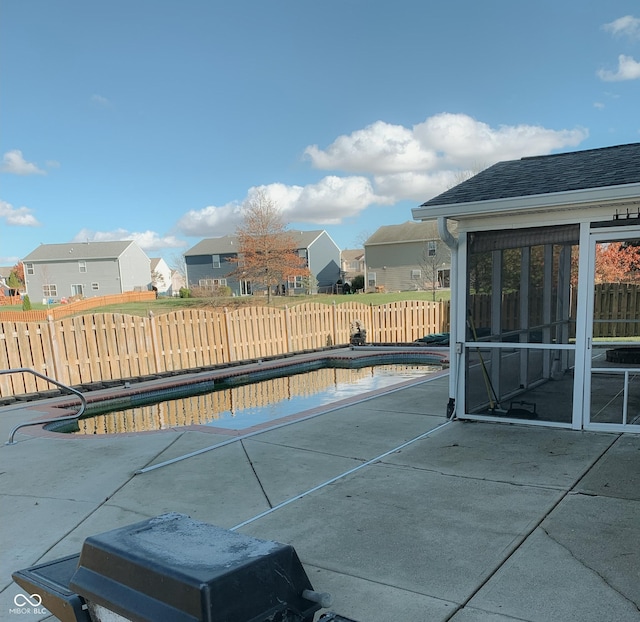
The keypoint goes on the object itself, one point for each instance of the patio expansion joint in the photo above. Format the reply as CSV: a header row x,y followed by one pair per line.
x,y
310,450
160,452
96,507
409,467
583,563
327,568
525,536
255,473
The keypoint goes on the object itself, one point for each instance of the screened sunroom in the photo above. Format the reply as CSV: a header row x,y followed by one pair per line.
x,y
545,320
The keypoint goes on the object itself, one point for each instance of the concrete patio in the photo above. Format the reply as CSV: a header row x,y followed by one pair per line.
x,y
396,512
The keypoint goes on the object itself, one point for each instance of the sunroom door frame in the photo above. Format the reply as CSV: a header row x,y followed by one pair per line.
x,y
590,237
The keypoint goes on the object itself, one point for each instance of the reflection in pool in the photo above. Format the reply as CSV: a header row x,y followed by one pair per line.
x,y
240,407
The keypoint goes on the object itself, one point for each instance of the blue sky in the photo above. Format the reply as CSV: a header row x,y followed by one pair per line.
x,y
154,120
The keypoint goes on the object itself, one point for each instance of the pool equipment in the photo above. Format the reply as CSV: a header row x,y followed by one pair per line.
x,y
358,333
177,569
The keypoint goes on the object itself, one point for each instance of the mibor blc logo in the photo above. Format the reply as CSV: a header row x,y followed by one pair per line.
x,y
27,604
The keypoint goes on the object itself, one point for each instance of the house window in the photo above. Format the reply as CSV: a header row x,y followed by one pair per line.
x,y
212,283
29,269
295,282
49,291
77,290
95,287
431,248
354,265
215,259
416,275
82,266
371,279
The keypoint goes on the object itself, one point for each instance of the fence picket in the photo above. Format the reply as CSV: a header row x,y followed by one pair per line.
x,y
110,346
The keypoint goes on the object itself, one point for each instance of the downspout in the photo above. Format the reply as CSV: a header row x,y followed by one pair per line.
x,y
455,349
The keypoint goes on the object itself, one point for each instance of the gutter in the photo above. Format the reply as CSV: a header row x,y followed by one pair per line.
x,y
572,199
455,352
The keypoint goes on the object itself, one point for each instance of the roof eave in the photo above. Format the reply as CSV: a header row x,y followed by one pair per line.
x,y
573,198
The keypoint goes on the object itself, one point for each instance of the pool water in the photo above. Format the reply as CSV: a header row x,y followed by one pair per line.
x,y
247,405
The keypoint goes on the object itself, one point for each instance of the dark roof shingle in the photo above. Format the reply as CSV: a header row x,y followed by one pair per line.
x,y
563,172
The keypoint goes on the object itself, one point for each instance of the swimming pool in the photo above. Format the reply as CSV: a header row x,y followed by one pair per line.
x,y
256,397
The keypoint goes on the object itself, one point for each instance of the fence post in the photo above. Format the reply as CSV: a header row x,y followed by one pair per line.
x,y
155,347
371,322
55,351
287,327
230,348
334,322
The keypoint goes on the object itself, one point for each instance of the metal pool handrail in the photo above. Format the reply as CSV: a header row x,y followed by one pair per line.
x,y
83,401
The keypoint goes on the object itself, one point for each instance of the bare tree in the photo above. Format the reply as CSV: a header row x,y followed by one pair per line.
x,y
179,264
461,176
434,257
362,237
267,252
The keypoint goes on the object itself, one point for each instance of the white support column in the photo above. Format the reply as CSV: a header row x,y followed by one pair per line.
x,y
581,383
525,269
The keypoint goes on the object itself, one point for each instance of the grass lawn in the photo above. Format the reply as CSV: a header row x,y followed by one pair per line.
x,y
167,304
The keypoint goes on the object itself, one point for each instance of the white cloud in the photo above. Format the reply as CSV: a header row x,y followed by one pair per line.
x,y
17,216
326,202
441,142
395,163
101,101
147,240
414,185
378,148
628,69
13,162
628,26
211,221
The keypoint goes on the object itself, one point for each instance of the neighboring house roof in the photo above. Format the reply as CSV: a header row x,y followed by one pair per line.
x,y
214,246
544,175
352,254
79,250
406,232
229,243
154,262
307,238
5,272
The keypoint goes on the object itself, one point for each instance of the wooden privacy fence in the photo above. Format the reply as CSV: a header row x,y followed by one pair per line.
x,y
100,347
616,310
78,306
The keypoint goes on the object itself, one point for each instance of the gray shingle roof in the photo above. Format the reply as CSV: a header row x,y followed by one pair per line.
x,y
406,232
229,243
563,172
79,250
214,246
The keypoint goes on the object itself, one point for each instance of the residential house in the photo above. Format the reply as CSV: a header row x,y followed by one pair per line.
x,y
178,282
210,262
61,271
161,276
407,257
352,263
541,335
5,271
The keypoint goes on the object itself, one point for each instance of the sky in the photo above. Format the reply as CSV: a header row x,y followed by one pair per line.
x,y
155,120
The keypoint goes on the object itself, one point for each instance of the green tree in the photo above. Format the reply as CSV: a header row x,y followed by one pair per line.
x,y
16,278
